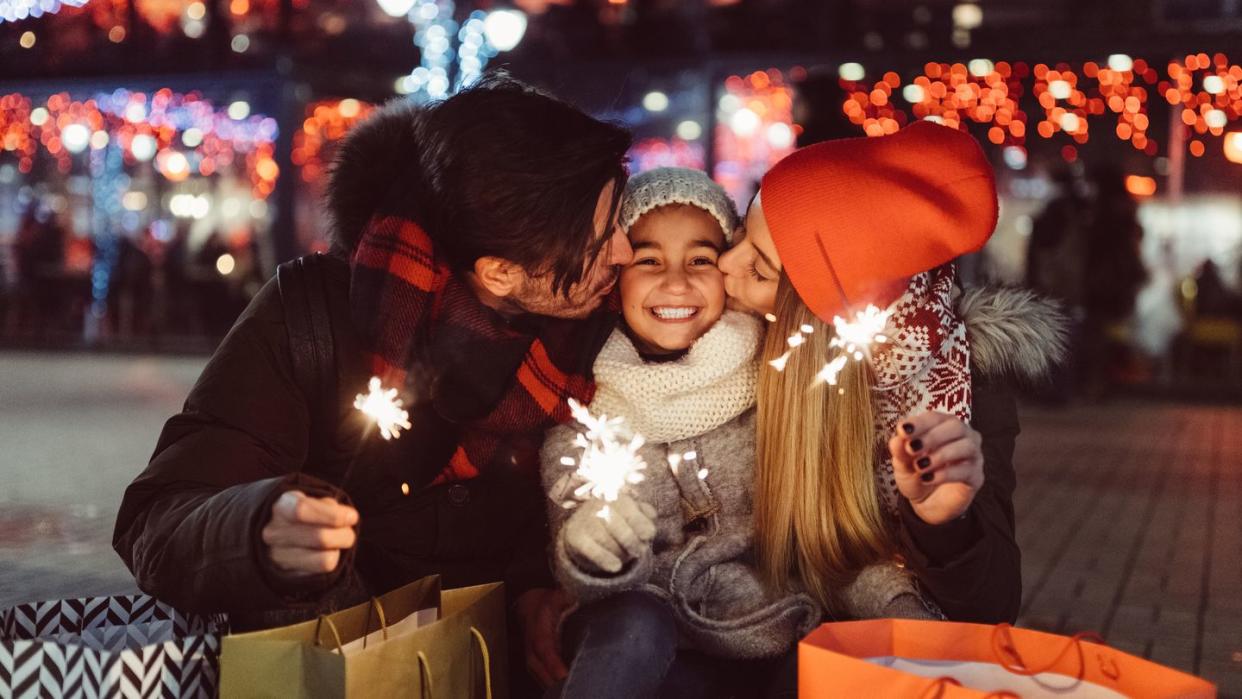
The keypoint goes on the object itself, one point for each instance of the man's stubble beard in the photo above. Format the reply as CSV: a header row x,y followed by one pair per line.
x,y
536,297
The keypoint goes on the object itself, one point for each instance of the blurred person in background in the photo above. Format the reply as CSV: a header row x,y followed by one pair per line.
x,y
1213,297
180,315
1057,268
131,290
40,249
214,295
1114,276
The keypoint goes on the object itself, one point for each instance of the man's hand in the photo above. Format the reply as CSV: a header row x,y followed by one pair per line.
x,y
306,535
540,611
938,465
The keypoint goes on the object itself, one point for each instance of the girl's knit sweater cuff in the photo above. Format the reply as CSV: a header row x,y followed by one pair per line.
x,y
940,544
588,585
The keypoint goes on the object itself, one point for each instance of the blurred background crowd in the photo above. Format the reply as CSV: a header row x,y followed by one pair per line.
x,y
158,158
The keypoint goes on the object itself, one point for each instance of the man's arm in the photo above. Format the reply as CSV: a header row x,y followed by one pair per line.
x,y
190,525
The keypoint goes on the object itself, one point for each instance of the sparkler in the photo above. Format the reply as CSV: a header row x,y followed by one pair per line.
x,y
385,408
386,412
676,460
780,362
854,338
609,460
858,336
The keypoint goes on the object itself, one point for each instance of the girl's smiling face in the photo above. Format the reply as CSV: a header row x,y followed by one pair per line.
x,y
672,292
752,267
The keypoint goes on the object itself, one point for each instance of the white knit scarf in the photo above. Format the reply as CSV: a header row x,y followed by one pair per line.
x,y
665,402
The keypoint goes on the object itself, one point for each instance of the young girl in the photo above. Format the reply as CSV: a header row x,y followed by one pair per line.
x,y
669,597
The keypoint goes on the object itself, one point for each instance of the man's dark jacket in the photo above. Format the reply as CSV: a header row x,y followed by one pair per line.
x,y
189,525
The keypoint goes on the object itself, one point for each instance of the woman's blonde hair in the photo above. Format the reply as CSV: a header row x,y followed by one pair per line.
x,y
817,511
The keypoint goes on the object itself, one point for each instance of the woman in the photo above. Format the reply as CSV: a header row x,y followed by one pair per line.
x,y
907,454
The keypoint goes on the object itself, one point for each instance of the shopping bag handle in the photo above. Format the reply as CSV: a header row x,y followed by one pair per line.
x,y
424,667
424,670
1008,657
487,661
379,611
937,688
336,635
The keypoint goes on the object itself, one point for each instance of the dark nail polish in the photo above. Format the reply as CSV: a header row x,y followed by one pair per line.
x,y
927,477
916,445
924,462
908,428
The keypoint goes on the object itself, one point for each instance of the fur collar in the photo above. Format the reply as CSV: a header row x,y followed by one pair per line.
x,y
1014,333
379,169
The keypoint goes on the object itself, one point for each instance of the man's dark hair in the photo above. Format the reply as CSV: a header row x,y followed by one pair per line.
x,y
497,170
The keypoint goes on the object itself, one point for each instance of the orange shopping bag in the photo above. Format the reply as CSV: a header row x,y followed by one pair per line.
x,y
947,660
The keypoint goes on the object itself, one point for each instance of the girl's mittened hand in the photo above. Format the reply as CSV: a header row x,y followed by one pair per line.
x,y
607,543
938,465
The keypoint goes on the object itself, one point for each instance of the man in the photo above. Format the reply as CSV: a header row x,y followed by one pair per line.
x,y
481,244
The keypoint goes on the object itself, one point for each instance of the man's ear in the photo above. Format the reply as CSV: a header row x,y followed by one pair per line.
x,y
498,276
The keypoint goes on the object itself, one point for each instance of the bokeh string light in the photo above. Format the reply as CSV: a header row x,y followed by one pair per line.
x,y
17,10
755,128
1207,88
452,54
182,134
326,123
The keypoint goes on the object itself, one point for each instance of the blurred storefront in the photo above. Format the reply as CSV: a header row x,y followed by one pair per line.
x,y
149,209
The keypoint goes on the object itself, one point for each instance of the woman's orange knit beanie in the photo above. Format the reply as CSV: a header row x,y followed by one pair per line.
x,y
853,219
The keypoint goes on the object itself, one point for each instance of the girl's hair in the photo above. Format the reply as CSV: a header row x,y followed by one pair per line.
x,y
817,511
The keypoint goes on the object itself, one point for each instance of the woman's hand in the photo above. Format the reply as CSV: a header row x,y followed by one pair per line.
x,y
938,465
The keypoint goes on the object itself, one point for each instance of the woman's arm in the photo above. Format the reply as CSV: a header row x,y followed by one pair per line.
x,y
971,566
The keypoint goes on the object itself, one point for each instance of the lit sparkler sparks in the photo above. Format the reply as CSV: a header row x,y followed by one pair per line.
x,y
609,461
676,460
832,370
866,329
384,407
854,338
780,362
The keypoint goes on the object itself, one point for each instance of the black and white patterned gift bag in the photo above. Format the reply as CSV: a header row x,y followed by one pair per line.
x,y
123,646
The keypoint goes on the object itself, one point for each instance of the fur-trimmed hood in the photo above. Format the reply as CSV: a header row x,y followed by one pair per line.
x,y
379,169
1014,333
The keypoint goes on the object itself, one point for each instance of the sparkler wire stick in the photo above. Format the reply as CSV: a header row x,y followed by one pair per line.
x,y
386,413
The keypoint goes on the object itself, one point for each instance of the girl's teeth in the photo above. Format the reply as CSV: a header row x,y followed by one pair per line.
x,y
674,313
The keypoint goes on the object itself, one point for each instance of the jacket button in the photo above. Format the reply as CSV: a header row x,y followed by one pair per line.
x,y
458,494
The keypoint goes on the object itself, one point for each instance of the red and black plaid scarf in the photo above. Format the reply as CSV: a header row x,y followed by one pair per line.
x,y
504,382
